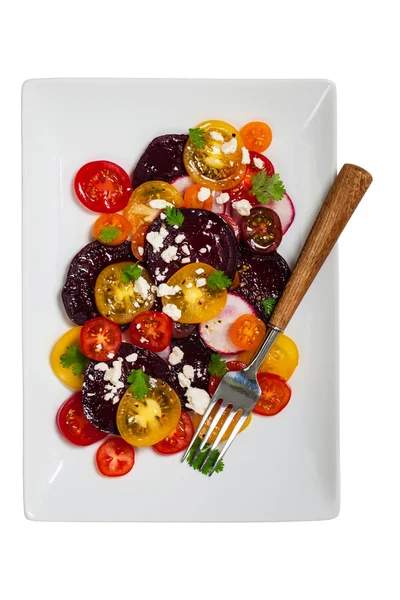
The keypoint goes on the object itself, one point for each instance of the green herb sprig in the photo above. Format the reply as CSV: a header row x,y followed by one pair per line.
x,y
140,383
218,281
197,137
267,187
217,366
74,357
199,460
130,273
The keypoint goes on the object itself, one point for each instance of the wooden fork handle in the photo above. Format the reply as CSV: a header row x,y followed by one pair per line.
x,y
343,198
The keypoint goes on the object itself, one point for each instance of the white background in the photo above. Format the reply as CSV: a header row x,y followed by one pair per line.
x,y
354,44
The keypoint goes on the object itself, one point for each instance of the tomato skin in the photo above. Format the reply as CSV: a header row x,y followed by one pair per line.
x,y
74,426
233,225
242,191
69,338
103,332
261,230
232,365
115,457
275,394
151,330
257,136
139,241
139,210
247,332
191,200
177,440
102,186
282,359
112,220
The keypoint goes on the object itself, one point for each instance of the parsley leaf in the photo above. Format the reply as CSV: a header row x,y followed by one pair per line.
x,y
196,136
211,461
218,280
140,383
217,366
74,357
268,305
174,216
109,233
130,273
267,188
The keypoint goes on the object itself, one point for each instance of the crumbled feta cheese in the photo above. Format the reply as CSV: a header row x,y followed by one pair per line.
x,y
172,311
167,290
201,282
163,232
102,366
163,216
136,304
159,204
91,377
114,373
138,326
229,147
188,371
179,238
110,355
243,207
199,271
115,399
189,285
185,260
203,250
203,194
109,395
208,247
245,156
93,394
217,136
143,340
176,356
160,277
140,250
169,254
142,287
98,346
132,357
258,163
198,400
223,198
185,249
183,380
156,240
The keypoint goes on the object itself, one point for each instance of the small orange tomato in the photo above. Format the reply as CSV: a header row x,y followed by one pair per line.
x,y
247,332
138,241
191,198
197,418
256,136
112,230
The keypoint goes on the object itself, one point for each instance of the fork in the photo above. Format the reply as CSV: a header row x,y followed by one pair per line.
x,y
238,392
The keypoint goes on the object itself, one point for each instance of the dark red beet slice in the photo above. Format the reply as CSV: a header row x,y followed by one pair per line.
x,y
78,291
203,230
162,159
102,413
196,354
261,276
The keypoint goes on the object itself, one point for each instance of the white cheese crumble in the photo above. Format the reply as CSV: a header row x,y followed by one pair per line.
x,y
185,260
198,400
201,282
143,340
169,254
176,356
229,147
163,232
138,326
132,357
258,163
172,311
188,371
203,194
223,198
142,287
245,156
98,346
203,250
160,277
183,380
199,271
91,377
217,136
243,207
159,204
102,366
156,240
163,216
167,290
185,249
110,355
140,250
112,374
179,238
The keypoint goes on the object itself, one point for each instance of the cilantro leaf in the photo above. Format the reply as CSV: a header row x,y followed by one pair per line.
x,y
210,462
74,357
196,136
174,216
130,273
268,305
267,188
218,280
217,366
109,233
140,383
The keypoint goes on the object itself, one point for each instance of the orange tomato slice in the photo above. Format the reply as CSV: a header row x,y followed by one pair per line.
x,y
138,241
112,230
256,136
197,418
191,198
247,332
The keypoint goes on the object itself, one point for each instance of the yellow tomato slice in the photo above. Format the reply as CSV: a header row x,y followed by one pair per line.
x,y
213,155
196,301
142,205
282,359
66,375
146,422
197,418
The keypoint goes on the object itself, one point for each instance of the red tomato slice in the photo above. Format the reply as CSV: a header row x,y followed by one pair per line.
x,y
103,186
232,365
100,338
73,424
179,439
242,192
151,330
275,394
115,457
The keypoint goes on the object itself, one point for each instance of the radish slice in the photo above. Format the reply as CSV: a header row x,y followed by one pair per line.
x,y
182,183
285,210
215,333
220,209
164,354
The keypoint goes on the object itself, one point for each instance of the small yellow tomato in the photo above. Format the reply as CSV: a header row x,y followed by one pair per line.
x,y
70,339
282,359
146,202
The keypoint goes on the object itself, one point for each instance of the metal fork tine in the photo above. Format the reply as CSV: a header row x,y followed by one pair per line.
x,y
230,439
217,440
213,424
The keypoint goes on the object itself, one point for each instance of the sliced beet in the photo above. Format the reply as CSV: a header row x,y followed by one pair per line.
x,y
203,230
196,354
162,160
261,276
182,330
78,291
101,412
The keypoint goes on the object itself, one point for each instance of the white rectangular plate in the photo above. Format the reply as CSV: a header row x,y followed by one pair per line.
x,y
282,468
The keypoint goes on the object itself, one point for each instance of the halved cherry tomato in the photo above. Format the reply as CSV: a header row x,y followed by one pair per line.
x,y
138,241
257,136
73,424
191,198
258,162
233,225
197,418
197,303
112,230
70,339
115,457
261,230
102,186
151,330
142,206
235,282
179,439
247,332
282,359
232,365
275,394
148,421
99,338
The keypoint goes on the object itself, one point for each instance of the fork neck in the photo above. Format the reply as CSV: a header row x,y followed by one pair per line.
x,y
252,369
